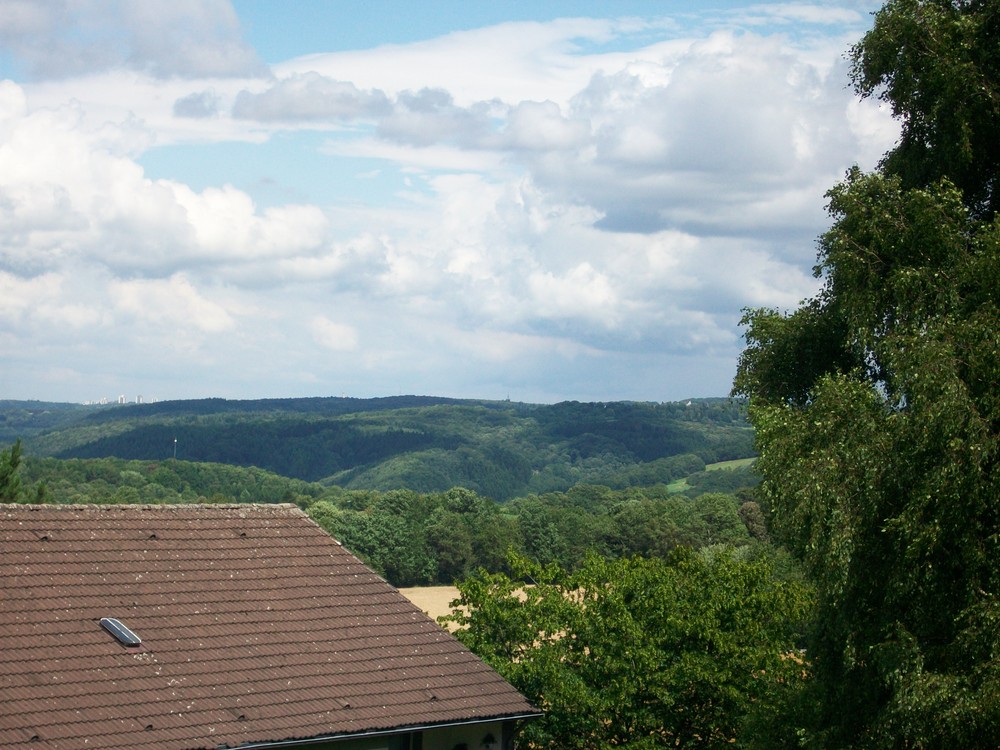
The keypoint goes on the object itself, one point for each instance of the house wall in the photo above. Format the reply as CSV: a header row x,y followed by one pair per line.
x,y
467,737
382,742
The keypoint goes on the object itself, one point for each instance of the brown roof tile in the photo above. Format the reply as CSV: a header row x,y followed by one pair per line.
x,y
256,626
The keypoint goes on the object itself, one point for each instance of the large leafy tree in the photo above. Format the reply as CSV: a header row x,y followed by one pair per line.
x,y
936,63
877,406
672,652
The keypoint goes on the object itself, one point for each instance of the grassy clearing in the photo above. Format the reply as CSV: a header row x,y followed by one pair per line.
x,y
737,463
679,485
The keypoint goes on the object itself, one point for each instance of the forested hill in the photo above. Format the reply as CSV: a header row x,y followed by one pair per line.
x,y
497,448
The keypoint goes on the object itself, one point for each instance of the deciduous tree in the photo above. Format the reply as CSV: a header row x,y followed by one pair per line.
x,y
876,403
638,653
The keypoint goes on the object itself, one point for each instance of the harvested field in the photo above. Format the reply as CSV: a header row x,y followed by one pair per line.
x,y
433,600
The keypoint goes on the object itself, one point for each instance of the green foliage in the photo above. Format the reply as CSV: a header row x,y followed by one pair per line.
x,y
415,539
721,480
641,653
109,480
387,536
411,538
566,527
885,477
876,407
754,519
25,419
10,480
936,63
657,471
497,449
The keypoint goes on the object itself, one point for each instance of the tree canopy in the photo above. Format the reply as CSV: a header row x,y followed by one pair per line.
x,y
876,407
10,479
936,63
679,652
498,449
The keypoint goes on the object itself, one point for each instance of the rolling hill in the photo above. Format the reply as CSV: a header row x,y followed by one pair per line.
x,y
499,449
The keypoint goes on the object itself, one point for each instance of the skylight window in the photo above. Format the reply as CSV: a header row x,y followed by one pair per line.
x,y
124,636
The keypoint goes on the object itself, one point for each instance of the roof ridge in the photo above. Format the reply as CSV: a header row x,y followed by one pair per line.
x,y
145,507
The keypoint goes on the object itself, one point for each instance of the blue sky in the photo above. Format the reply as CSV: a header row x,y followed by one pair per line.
x,y
312,26
541,201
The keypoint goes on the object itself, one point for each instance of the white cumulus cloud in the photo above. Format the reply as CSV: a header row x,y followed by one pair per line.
x,y
575,208
338,337
172,304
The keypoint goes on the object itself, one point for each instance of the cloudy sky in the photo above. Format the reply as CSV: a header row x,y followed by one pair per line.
x,y
535,200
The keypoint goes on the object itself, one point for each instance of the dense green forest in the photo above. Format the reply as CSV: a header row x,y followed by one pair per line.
x,y
501,450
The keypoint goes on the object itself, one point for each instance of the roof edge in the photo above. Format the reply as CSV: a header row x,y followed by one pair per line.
x,y
162,507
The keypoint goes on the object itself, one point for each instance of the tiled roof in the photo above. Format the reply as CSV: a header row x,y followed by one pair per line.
x,y
256,626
